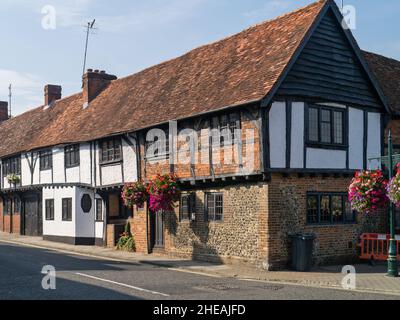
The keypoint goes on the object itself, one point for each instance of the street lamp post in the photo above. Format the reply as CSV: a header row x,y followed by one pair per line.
x,y
392,254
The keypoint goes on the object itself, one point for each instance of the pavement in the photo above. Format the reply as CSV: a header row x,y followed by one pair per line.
x,y
369,281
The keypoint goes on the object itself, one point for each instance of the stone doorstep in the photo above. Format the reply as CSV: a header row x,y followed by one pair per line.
x,y
367,281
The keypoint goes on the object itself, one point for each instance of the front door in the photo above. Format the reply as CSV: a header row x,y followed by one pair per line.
x,y
157,230
32,216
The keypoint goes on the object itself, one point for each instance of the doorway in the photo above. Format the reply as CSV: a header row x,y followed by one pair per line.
x,y
32,216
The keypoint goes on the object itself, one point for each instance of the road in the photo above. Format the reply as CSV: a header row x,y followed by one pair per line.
x,y
80,278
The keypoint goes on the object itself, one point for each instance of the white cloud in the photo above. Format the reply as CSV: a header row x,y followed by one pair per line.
x,y
270,9
26,89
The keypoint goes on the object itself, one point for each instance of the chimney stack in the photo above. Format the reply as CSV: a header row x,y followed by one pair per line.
x,y
94,82
3,111
51,94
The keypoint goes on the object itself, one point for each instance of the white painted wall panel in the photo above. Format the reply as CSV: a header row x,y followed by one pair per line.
x,y
25,171
374,136
36,172
58,165
45,176
356,138
59,227
297,136
277,134
72,175
129,156
326,159
85,221
84,154
111,174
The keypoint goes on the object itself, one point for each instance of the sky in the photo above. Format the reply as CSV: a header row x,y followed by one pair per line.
x,y
42,41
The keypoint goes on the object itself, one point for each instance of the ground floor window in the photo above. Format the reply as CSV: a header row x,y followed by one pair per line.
x,y
329,208
214,206
67,209
99,210
188,207
49,204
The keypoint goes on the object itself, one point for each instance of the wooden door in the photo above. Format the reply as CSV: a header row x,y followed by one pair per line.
x,y
159,230
32,216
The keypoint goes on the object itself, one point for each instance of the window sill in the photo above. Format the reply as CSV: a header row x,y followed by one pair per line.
x,y
322,225
72,166
45,169
317,145
110,163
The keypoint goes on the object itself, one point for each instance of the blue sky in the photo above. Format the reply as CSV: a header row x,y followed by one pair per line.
x,y
133,35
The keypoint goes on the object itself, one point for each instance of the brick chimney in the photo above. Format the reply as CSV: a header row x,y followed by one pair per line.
x,y
3,111
51,94
94,82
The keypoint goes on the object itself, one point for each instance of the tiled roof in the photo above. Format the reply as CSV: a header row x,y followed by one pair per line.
x,y
387,72
236,70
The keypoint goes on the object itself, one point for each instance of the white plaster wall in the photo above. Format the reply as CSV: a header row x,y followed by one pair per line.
x,y
36,172
59,227
45,176
356,138
84,153
277,134
85,221
72,175
111,174
326,159
130,166
297,136
58,165
25,170
374,135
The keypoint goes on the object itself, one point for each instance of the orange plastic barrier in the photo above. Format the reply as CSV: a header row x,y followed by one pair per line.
x,y
374,246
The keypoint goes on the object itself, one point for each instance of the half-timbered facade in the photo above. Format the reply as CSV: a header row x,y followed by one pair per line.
x,y
264,129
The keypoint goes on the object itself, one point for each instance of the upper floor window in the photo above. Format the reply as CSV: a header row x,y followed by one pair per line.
x,y
46,159
12,166
71,156
329,208
111,150
225,129
157,144
326,125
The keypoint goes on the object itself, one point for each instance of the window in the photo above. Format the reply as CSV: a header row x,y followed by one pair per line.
x,y
329,208
17,205
86,203
7,207
67,209
49,204
158,147
71,156
188,207
12,166
224,129
99,210
111,150
214,206
46,159
326,126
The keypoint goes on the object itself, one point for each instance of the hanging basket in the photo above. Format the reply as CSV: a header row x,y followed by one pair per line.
x,y
393,188
135,194
367,191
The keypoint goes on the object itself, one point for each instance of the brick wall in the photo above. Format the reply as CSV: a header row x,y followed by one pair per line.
x,y
241,236
139,229
287,215
202,167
